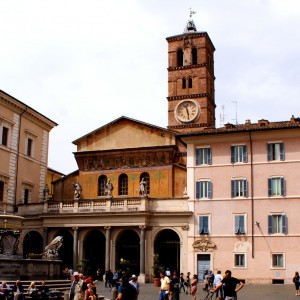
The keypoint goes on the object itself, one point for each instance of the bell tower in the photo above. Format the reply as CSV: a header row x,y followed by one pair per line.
x,y
191,92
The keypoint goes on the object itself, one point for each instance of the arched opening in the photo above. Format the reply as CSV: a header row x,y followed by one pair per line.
x,y
94,252
123,185
179,58
190,83
65,252
128,252
194,56
102,185
146,178
183,83
167,246
32,243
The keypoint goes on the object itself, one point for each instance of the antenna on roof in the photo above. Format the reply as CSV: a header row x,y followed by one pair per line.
x,y
236,119
191,12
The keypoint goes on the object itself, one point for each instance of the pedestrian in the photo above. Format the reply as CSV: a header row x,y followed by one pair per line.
x,y
134,282
211,279
44,290
108,278
18,291
89,293
194,286
78,288
188,283
168,272
5,290
33,291
217,280
206,280
181,283
229,286
126,291
165,286
296,280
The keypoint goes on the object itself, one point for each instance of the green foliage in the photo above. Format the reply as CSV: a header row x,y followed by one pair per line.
x,y
157,268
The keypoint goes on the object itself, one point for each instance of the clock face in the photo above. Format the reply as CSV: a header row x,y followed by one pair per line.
x,y
187,111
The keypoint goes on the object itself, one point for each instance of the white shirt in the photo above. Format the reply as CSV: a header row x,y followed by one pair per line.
x,y
218,279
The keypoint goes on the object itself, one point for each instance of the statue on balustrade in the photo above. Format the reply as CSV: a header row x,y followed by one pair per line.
x,y
77,190
108,188
51,250
143,188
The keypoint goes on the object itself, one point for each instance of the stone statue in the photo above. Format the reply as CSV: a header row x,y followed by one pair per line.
x,y
51,250
77,190
142,188
108,188
46,193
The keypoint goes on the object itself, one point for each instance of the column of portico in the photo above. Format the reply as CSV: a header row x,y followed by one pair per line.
x,y
142,278
107,247
45,238
75,244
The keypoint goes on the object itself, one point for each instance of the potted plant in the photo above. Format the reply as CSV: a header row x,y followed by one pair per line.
x,y
157,268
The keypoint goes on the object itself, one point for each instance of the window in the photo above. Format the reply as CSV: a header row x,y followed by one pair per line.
x,y
179,58
29,147
1,191
275,151
239,224
239,154
194,56
26,196
203,225
123,185
183,83
203,156
190,83
277,224
276,186
146,178
239,260
203,189
4,139
239,188
102,185
277,260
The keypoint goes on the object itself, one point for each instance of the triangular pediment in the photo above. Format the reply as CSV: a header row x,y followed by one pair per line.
x,y
124,133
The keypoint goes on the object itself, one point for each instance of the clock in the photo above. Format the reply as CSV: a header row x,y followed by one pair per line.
x,y
186,111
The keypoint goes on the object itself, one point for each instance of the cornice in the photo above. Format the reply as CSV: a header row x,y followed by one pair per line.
x,y
21,108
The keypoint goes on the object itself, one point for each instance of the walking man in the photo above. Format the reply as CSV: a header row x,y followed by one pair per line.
x,y
229,286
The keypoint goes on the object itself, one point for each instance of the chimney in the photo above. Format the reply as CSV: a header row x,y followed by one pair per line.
x,y
263,123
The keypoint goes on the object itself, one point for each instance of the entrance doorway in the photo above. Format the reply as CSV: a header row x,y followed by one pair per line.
x,y
128,252
167,246
32,243
65,252
203,262
94,252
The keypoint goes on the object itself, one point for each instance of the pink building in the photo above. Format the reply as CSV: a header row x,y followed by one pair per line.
x,y
243,186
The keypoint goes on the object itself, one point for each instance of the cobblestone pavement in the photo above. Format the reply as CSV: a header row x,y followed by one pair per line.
x,y
249,292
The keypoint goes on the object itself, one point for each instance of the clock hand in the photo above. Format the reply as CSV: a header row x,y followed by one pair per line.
x,y
188,115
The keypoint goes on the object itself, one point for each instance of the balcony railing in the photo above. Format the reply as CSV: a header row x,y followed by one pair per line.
x,y
105,205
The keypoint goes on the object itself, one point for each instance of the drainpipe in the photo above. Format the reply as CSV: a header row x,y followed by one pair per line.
x,y
252,193
17,160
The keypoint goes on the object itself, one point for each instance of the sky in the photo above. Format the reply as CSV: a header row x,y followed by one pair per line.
x,y
84,63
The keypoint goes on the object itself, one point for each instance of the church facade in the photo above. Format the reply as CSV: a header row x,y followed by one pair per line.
x,y
192,195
